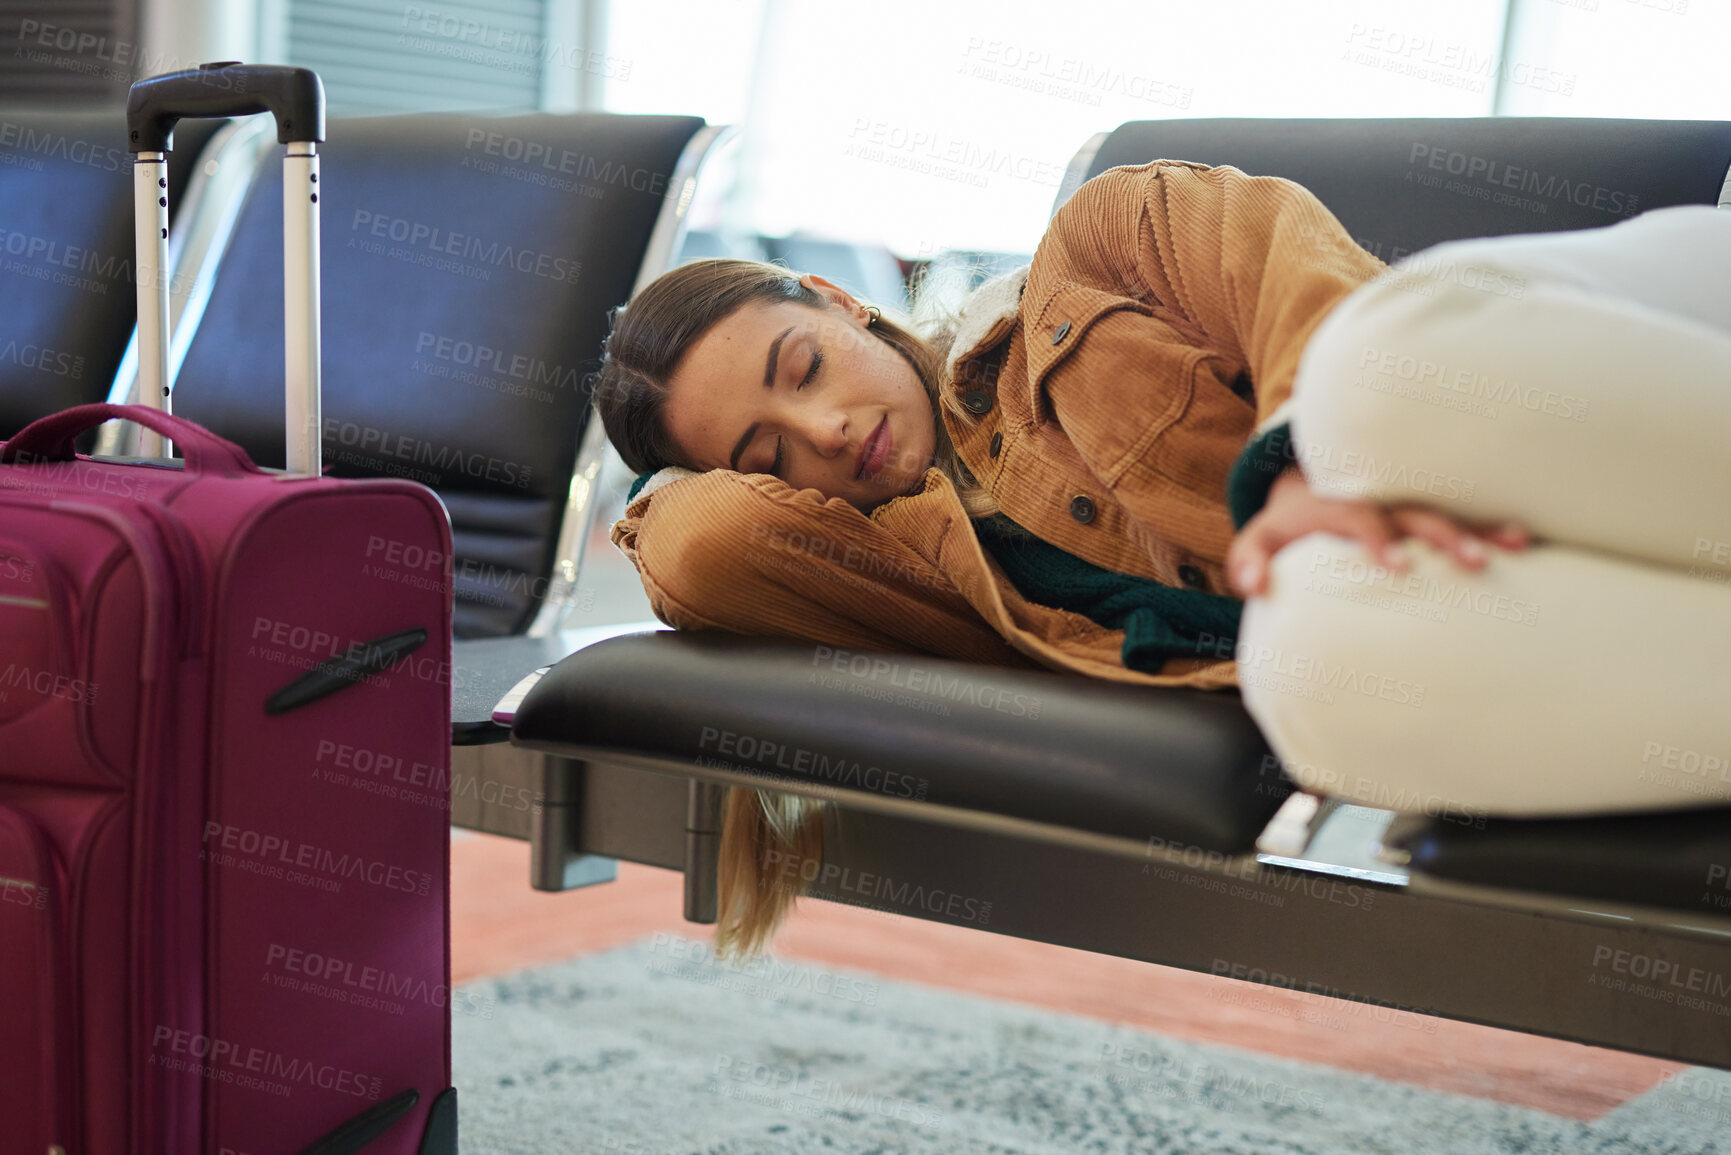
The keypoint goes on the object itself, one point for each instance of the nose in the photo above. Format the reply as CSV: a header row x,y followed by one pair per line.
x,y
824,426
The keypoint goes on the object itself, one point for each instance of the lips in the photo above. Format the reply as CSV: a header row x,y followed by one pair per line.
x,y
875,451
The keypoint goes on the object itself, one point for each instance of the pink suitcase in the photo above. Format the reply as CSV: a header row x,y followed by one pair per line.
x,y
224,767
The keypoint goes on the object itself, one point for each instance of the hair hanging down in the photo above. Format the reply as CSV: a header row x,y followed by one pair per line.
x,y
768,837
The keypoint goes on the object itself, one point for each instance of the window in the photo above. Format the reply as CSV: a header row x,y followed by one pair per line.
x,y
935,126
397,56
58,51
1664,59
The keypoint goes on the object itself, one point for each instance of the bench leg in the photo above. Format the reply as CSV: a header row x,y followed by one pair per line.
x,y
539,798
704,807
555,862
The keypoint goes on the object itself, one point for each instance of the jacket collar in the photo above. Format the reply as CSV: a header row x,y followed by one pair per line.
x,y
647,483
987,315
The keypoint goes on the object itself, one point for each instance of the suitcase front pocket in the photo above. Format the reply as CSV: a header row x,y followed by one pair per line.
x,y
35,1093
37,667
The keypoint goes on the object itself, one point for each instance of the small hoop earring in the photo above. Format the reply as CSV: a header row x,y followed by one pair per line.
x,y
876,315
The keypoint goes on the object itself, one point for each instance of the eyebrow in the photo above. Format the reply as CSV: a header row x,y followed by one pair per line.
x,y
768,383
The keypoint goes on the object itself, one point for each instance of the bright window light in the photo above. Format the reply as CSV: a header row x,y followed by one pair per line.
x,y
1665,59
928,126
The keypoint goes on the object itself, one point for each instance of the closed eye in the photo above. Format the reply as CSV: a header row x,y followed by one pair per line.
x,y
810,374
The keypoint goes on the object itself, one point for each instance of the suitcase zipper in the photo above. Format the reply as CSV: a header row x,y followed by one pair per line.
x,y
188,566
163,896
33,900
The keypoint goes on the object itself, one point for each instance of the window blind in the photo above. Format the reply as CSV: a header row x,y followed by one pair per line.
x,y
422,55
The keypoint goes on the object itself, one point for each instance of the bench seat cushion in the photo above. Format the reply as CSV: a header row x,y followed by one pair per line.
x,y
1186,767
1678,860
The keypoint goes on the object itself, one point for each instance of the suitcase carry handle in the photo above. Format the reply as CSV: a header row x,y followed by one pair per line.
x,y
50,438
294,96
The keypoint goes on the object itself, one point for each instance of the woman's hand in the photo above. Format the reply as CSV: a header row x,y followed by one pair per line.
x,y
1293,510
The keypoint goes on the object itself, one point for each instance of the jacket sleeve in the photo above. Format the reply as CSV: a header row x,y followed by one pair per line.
x,y
749,554
1252,264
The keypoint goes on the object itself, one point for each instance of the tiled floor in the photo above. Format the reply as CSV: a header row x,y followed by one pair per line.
x,y
500,925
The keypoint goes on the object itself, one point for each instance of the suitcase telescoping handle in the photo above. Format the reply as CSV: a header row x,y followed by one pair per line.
x,y
296,98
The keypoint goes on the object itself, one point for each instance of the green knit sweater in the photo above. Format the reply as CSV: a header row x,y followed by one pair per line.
x,y
1159,621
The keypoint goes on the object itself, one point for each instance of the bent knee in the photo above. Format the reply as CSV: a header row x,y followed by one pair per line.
x,y
1316,668
1297,639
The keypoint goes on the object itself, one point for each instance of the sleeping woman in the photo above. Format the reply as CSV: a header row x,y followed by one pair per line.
x,y
1204,439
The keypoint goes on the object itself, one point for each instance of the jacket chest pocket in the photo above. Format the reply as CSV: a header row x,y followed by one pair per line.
x,y
1126,382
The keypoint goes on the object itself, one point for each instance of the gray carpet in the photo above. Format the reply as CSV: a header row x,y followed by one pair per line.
x,y
652,1049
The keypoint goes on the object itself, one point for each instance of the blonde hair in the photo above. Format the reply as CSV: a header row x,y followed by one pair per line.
x,y
763,830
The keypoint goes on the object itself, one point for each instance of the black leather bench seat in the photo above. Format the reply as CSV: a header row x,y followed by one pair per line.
x,y
1186,767
483,671
1678,860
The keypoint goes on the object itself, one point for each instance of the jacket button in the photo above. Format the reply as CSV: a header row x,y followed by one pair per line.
x,y
977,401
997,444
1061,332
1192,576
1082,508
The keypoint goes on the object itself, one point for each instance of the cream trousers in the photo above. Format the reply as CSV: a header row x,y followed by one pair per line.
x,y
1580,383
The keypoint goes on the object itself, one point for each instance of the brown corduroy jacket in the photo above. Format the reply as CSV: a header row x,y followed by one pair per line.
x,y
1114,382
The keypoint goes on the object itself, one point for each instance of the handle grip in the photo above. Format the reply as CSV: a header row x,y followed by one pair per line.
x,y
50,438
295,96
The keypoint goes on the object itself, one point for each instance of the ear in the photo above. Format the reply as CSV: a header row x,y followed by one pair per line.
x,y
836,295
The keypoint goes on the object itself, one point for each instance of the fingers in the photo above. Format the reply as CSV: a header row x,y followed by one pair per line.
x,y
1377,530
1442,533
1459,538
1252,551
1510,535
1380,529
1247,561
1292,511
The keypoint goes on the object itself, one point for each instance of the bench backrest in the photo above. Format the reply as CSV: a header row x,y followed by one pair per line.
x,y
469,267
68,300
1400,185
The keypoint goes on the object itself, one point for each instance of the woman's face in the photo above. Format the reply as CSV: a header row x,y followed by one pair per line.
x,y
808,395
